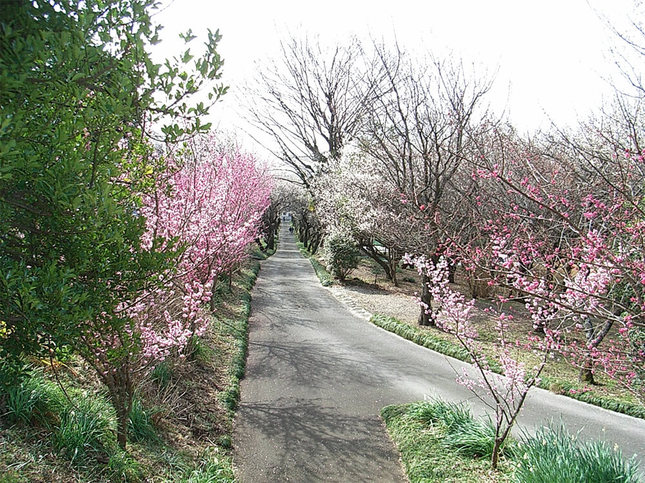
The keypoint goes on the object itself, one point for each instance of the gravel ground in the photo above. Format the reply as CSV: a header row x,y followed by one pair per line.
x,y
380,297
378,301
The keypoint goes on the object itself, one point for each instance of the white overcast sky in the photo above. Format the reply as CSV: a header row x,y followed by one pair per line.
x,y
551,56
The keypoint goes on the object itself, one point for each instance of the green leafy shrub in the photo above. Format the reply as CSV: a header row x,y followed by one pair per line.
x,y
555,455
342,256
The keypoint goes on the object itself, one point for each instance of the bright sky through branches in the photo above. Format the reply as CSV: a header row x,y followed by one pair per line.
x,y
551,57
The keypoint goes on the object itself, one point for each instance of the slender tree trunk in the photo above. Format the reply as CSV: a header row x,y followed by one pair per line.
x,y
393,275
387,264
270,240
122,428
586,371
452,269
120,391
426,317
213,296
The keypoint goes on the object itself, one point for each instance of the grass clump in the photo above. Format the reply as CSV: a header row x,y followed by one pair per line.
x,y
34,400
140,425
85,428
420,430
215,469
162,373
474,438
555,455
122,467
441,441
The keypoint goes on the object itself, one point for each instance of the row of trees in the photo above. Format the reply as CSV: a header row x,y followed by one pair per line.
x,y
111,242
405,156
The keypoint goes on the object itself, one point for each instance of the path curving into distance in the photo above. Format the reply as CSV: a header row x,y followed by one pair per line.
x,y
317,377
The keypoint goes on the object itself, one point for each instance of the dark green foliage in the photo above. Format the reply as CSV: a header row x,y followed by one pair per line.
x,y
555,455
35,400
440,441
573,391
342,256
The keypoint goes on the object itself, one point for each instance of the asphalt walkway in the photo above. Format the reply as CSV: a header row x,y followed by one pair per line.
x,y
317,377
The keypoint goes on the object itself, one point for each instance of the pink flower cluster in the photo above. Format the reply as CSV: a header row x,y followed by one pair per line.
x,y
212,204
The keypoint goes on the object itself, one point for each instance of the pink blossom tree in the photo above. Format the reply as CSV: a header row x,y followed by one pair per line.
x,y
202,215
212,204
569,240
504,395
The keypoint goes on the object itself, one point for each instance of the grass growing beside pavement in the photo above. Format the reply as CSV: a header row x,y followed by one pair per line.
x,y
419,431
321,272
180,424
450,348
441,441
554,455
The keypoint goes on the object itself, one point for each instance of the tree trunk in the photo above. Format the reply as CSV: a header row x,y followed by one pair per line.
x,y
120,391
495,457
270,240
122,428
393,276
213,296
452,269
586,371
387,264
426,317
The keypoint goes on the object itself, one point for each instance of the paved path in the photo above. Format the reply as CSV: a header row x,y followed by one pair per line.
x,y
317,377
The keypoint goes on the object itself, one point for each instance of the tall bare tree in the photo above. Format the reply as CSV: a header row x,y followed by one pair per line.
x,y
311,102
419,137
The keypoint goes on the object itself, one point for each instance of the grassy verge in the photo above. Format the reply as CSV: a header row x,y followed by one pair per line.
x,y
180,424
420,437
439,441
321,272
427,339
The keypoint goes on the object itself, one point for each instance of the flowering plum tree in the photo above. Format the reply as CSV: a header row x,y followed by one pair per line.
x,y
212,203
569,240
356,200
504,395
